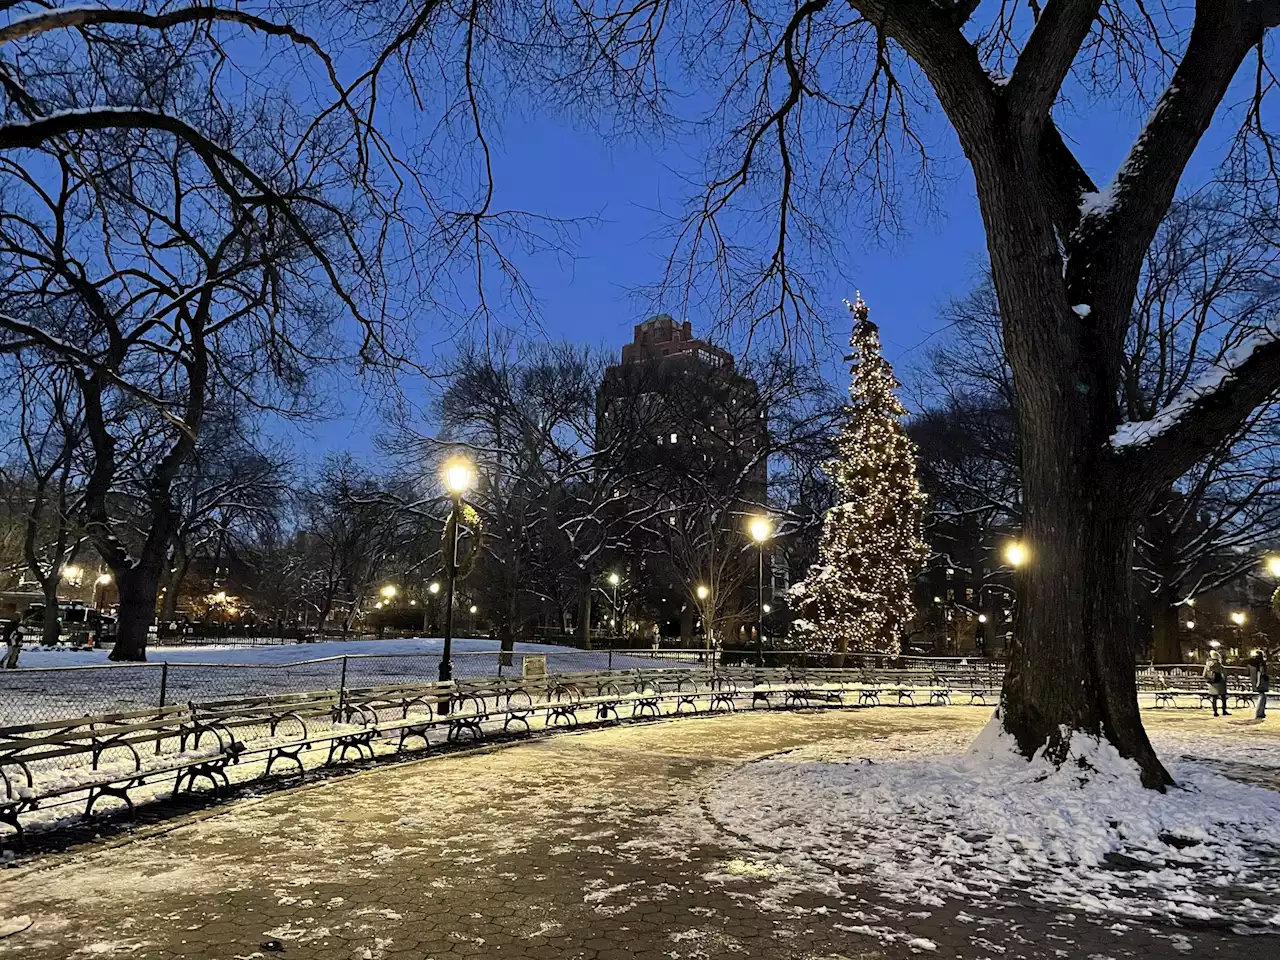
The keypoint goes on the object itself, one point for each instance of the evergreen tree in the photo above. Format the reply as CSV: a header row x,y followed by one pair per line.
x,y
871,549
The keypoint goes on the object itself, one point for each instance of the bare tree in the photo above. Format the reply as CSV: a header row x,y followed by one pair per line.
x,y
815,103
49,431
227,497
351,526
1209,271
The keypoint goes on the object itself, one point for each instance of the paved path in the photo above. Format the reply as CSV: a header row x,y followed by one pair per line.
x,y
591,845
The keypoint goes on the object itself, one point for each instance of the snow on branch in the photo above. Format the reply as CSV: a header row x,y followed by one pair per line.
x,y
1207,390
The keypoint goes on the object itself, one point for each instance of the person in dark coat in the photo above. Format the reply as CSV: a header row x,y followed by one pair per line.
x,y
1215,675
1259,681
12,643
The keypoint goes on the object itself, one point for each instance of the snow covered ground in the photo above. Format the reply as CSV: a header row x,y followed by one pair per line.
x,y
281,653
936,816
559,847
42,691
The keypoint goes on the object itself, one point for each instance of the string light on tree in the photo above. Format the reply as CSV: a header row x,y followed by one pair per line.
x,y
871,548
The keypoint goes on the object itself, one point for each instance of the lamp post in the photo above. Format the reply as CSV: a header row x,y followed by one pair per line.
x,y
703,593
428,608
614,580
761,529
458,475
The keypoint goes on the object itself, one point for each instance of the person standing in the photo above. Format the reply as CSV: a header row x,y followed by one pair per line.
x,y
1215,675
12,642
1260,681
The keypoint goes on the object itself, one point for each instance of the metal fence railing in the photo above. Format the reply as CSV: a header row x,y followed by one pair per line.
x,y
35,694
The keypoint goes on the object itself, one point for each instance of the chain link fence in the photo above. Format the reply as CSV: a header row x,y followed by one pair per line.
x,y
36,694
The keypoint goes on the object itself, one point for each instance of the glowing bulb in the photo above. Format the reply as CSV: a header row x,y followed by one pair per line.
x,y
104,579
434,588
982,618
388,591
474,609
703,592
1238,618
614,579
767,608
1191,624
760,529
458,474
1015,554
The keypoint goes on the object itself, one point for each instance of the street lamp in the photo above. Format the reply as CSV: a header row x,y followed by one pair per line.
x,y
1273,565
388,591
614,580
1238,618
434,588
702,592
458,475
1015,554
761,529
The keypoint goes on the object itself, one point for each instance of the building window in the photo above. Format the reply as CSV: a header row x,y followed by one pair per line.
x,y
673,438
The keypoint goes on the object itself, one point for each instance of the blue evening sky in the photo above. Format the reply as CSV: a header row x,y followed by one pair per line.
x,y
545,165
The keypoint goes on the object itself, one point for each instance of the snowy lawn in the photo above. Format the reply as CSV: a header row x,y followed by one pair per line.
x,y
278,653
38,692
928,816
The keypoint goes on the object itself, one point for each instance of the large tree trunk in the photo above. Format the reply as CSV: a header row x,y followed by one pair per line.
x,y
52,629
507,634
1071,663
137,612
584,611
177,574
1166,644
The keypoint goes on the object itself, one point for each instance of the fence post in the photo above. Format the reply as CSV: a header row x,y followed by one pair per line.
x,y
164,682
610,667
501,657
342,687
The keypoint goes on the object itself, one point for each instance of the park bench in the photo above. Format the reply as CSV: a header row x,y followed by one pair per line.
x,y
135,741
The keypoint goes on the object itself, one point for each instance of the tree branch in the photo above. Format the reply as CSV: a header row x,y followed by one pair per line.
x,y
1194,424
1046,59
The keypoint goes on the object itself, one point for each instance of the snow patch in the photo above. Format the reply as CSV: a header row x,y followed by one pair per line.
x,y
956,823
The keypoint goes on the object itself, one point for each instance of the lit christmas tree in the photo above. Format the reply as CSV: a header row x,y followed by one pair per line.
x,y
871,549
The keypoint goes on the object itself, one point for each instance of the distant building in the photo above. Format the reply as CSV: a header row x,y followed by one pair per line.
x,y
702,429
661,336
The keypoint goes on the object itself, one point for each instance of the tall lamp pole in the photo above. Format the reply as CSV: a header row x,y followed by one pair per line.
x,y
614,580
761,529
458,475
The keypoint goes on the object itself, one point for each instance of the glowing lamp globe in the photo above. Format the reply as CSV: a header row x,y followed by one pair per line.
x,y
760,529
458,474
